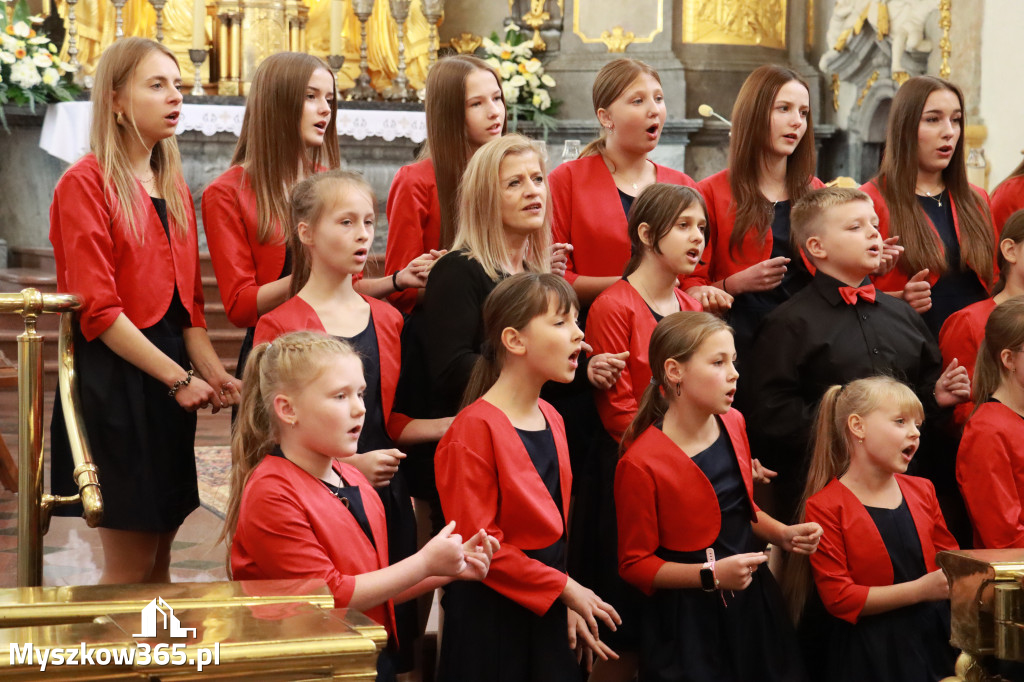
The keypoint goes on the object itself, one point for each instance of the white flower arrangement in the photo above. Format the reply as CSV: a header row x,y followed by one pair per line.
x,y
30,69
523,81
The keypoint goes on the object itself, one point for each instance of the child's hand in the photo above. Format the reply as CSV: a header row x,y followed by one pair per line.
x,y
761,473
712,299
918,292
891,252
414,275
603,370
560,258
590,607
737,571
954,386
444,554
933,586
478,551
763,276
379,466
585,644
801,538
196,395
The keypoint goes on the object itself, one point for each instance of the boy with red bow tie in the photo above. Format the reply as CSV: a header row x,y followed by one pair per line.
x,y
835,330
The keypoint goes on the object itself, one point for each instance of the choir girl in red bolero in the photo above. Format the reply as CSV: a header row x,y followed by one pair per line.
x,y
592,194
334,215
1008,197
922,196
690,535
875,570
298,510
990,462
504,466
963,331
123,231
289,132
465,109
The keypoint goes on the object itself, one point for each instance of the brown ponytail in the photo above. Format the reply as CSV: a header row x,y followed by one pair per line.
x,y
677,337
513,303
1013,229
1004,330
609,84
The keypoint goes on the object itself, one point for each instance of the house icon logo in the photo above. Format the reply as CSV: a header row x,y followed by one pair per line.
x,y
170,621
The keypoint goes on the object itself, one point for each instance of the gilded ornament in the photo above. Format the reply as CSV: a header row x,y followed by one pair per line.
x,y
882,27
900,77
835,92
618,40
810,23
735,22
945,46
841,41
535,18
630,17
867,88
467,43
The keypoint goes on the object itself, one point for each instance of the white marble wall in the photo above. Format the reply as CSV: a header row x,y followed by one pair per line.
x,y
1002,89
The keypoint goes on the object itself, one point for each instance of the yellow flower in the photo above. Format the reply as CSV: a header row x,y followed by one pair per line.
x,y
522,67
19,53
504,55
10,29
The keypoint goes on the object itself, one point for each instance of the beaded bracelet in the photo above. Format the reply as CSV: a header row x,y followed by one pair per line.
x,y
181,383
394,281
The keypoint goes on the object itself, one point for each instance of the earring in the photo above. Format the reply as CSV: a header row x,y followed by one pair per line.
x,y
679,386
119,117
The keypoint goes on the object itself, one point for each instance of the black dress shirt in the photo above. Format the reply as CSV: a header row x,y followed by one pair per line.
x,y
815,340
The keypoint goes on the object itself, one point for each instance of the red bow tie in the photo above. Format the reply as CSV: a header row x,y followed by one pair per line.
x,y
850,294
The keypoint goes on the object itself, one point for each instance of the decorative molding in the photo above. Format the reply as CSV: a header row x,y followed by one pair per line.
x,y
612,36
835,92
617,41
945,46
735,22
535,18
467,43
867,87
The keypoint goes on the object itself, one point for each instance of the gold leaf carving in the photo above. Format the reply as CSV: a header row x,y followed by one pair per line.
x,y
835,92
735,22
618,40
467,43
867,88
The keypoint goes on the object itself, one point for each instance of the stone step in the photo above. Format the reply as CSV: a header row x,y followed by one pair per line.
x,y
37,257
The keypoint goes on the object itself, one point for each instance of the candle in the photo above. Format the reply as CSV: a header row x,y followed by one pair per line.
x,y
198,24
337,19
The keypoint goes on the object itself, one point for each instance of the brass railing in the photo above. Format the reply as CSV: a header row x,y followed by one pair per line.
x,y
35,507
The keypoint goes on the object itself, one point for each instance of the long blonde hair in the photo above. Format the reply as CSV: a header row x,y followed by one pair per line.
x,y
830,458
109,140
310,199
480,233
288,363
513,303
271,145
677,337
1003,330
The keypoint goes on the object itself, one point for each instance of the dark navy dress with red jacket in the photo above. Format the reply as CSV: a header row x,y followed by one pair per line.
x,y
671,508
141,439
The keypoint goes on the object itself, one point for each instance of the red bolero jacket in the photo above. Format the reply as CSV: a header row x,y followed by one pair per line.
x,y
718,260
1007,199
896,278
414,223
485,479
587,213
291,526
852,558
620,320
242,264
990,472
98,259
297,315
960,337
663,499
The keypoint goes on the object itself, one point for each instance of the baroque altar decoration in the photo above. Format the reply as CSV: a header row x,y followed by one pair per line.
x,y
31,71
523,82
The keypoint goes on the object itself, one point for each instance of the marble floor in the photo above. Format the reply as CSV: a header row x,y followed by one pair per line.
x,y
71,550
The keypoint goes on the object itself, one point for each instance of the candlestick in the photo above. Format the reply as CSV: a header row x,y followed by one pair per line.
x,y
336,61
432,12
118,18
197,57
158,5
199,25
362,89
399,89
72,35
